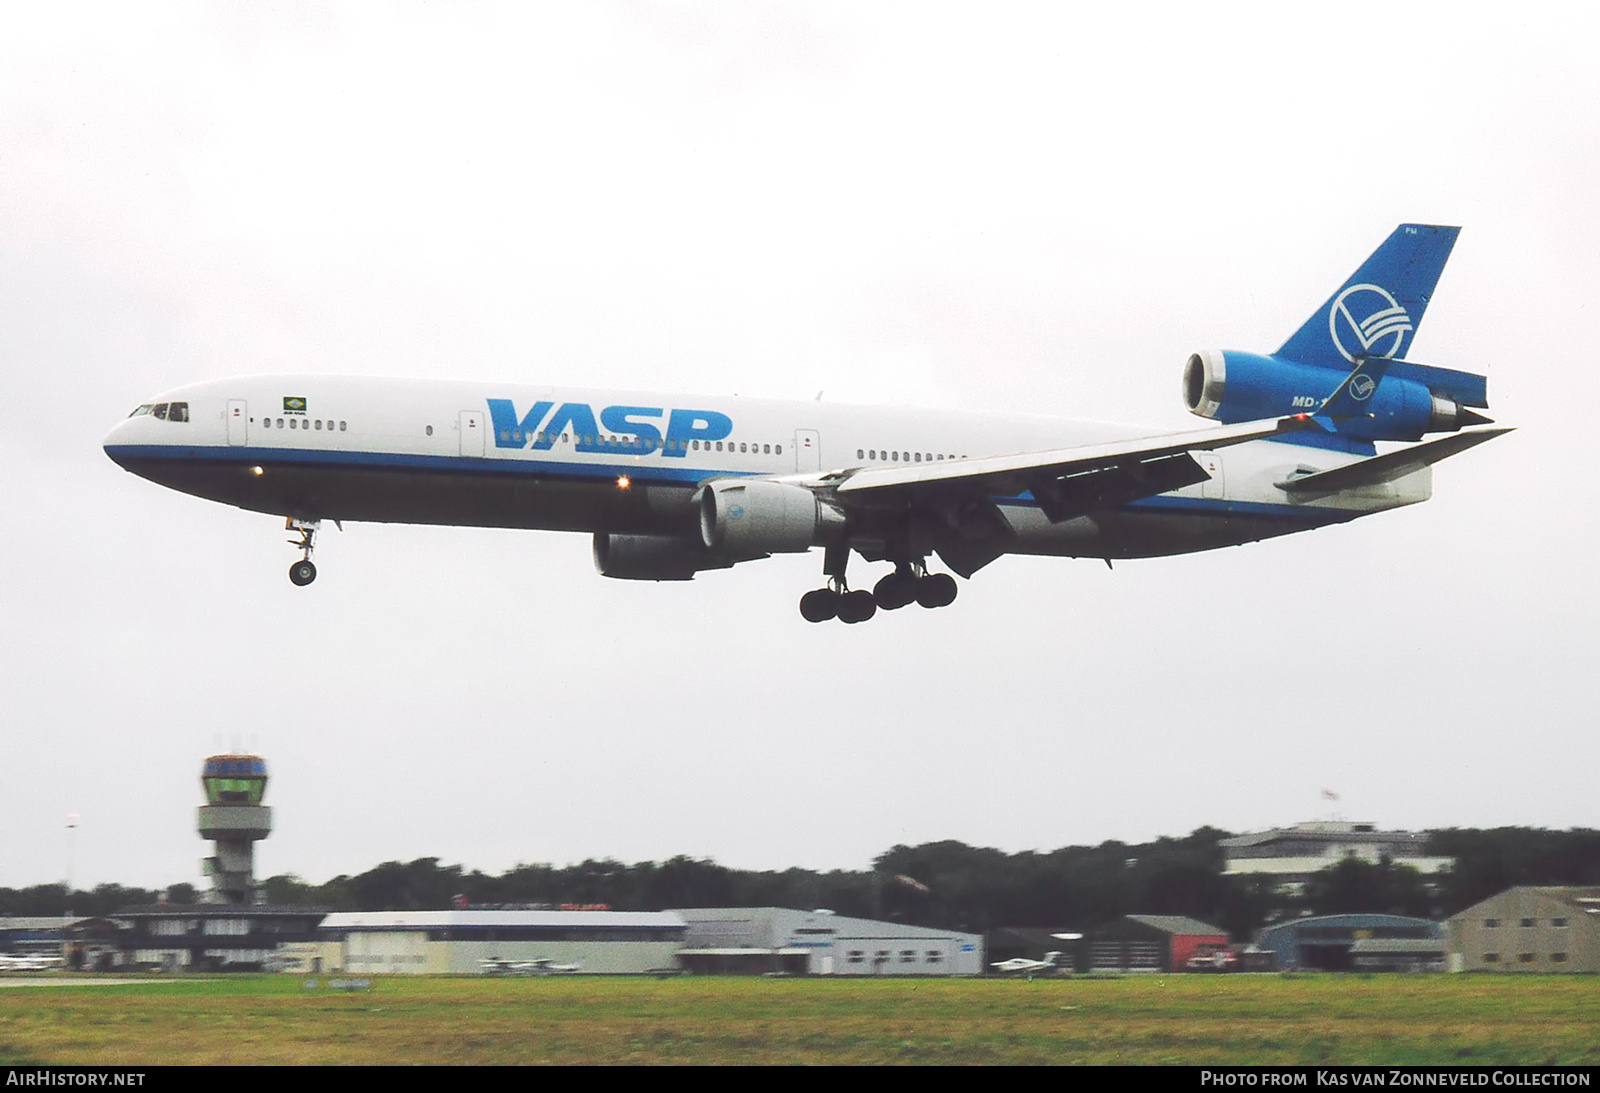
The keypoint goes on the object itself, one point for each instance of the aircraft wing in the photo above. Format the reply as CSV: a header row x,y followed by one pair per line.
x,y
1386,468
1066,482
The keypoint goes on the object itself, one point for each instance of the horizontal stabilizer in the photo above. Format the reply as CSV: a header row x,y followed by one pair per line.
x,y
1386,468
1467,388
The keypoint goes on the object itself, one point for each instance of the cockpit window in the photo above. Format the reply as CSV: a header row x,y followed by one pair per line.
x,y
179,411
140,411
160,411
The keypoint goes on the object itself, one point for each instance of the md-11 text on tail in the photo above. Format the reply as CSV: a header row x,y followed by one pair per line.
x,y
670,486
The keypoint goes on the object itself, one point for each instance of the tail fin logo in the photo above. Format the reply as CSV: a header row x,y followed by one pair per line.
x,y
1365,321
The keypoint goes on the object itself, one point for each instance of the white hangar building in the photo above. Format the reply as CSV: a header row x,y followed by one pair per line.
x,y
756,940
458,942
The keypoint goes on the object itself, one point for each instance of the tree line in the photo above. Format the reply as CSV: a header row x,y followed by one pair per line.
x,y
948,884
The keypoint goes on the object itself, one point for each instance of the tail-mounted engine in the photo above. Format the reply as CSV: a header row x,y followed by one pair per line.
x,y
1375,399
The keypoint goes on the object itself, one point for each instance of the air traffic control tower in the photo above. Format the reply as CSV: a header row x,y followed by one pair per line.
x,y
233,817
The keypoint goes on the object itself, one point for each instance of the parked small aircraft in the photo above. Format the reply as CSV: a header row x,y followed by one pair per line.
x,y
1021,965
537,966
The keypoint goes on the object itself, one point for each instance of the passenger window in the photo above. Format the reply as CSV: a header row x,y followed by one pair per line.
x,y
160,411
280,423
429,430
319,425
719,445
293,424
742,446
766,449
919,457
778,449
895,456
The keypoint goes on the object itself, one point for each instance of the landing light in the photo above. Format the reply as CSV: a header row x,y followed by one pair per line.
x,y
624,482
257,471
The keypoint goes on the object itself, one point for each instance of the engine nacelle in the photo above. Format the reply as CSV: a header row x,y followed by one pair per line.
x,y
1404,401
755,518
653,557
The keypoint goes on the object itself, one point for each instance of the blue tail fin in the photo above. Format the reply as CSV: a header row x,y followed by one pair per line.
x,y
1377,311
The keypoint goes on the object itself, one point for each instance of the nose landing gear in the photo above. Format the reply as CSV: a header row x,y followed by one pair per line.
x,y
303,572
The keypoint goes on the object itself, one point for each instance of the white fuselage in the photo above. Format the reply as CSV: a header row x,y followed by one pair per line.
x,y
503,455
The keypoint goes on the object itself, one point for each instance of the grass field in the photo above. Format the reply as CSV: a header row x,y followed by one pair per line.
x,y
1186,1019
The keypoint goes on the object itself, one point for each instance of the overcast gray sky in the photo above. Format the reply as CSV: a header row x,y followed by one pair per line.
x,y
982,207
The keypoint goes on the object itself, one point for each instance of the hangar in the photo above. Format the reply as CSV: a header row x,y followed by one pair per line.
x,y
459,942
756,940
1347,942
1152,943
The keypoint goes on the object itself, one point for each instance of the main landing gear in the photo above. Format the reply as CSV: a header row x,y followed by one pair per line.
x,y
303,572
910,582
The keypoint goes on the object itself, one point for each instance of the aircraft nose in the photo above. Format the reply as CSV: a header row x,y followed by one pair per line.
x,y
115,444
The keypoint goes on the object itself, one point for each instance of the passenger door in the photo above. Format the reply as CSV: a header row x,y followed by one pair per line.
x,y
471,428
238,422
807,450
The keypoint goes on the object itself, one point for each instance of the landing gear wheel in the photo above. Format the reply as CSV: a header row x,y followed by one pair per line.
x,y
303,572
819,605
895,591
937,590
857,607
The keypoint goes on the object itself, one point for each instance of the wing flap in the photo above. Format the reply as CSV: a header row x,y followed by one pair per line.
x,y
1062,498
1388,467
1066,482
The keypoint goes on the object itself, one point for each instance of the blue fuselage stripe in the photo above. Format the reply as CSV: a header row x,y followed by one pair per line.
x,y
456,464
640,473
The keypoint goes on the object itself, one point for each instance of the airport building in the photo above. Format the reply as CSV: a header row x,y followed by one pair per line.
x,y
1152,943
199,937
761,940
38,943
1367,942
466,942
234,819
1531,930
1290,855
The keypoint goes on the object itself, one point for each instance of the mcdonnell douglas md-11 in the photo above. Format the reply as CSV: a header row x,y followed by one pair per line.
x,y
670,487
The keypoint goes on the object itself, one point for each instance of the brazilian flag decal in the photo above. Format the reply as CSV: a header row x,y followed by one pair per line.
x,y
292,405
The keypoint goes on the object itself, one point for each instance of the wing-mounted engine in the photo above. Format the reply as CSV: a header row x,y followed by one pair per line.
x,y
751,518
1367,399
653,557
